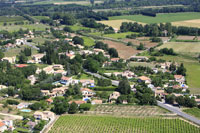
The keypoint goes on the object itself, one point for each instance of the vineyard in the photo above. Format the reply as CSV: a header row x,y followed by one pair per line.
x,y
102,124
130,111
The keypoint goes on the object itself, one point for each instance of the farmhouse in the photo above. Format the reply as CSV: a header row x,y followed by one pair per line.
x,y
10,59
179,78
59,91
37,58
139,58
46,115
144,79
48,70
87,93
87,82
3,127
160,93
113,97
66,80
58,67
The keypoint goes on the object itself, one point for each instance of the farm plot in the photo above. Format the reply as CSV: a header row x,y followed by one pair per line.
x,y
144,64
183,47
188,23
129,111
11,18
102,124
193,111
147,43
187,38
160,18
124,51
116,23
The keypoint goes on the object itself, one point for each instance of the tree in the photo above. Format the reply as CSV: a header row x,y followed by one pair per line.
x,y
60,105
1,54
22,58
67,29
170,99
124,87
92,2
181,70
78,40
141,47
129,44
113,52
85,106
73,108
68,20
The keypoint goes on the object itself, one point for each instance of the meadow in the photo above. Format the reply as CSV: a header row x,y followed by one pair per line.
x,y
11,19
37,27
114,35
193,111
102,124
88,41
160,18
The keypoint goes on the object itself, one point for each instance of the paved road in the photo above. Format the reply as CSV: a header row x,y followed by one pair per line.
x,y
169,107
178,112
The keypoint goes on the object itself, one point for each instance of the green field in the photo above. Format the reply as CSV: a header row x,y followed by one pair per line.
x,y
115,35
193,111
102,124
144,64
88,41
160,18
37,27
11,19
83,76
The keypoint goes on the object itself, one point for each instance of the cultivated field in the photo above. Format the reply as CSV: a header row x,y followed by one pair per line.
x,y
189,23
88,41
160,18
193,111
11,18
147,43
102,124
124,51
63,2
144,64
130,111
187,38
183,47
116,23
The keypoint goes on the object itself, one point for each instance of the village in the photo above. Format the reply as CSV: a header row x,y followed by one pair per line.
x,y
165,82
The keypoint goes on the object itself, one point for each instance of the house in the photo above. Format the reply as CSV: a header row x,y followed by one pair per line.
x,y
128,74
48,70
85,52
45,92
159,93
96,102
45,115
139,58
66,80
3,127
87,82
10,59
21,65
144,79
37,58
32,78
165,65
79,102
113,97
114,59
58,67
23,105
106,64
3,87
97,51
179,78
59,91
63,72
31,124
198,101
9,124
87,93
20,41
71,56
49,101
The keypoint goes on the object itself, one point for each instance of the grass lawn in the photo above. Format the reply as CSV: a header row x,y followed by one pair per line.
x,y
88,41
193,111
77,27
145,64
37,27
11,19
83,76
15,51
119,35
108,124
160,18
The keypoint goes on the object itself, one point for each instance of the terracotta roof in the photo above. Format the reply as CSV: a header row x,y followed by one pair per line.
x,y
65,78
77,102
49,100
144,78
178,76
159,91
197,100
2,124
86,89
114,59
21,65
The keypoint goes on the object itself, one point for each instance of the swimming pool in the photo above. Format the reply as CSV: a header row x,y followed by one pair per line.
x,y
26,110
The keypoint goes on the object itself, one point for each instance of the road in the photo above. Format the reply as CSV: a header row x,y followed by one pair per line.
x,y
30,45
177,111
169,107
12,116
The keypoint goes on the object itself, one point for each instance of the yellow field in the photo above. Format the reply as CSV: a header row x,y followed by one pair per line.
x,y
188,23
116,23
183,47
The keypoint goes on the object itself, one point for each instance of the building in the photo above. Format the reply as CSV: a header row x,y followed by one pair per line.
x,y
58,67
37,58
3,127
144,79
45,115
79,102
87,93
160,93
198,101
23,105
21,65
87,82
32,78
49,101
114,59
66,80
96,102
3,87
45,92
113,97
59,91
48,70
128,74
179,78
63,72
10,59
